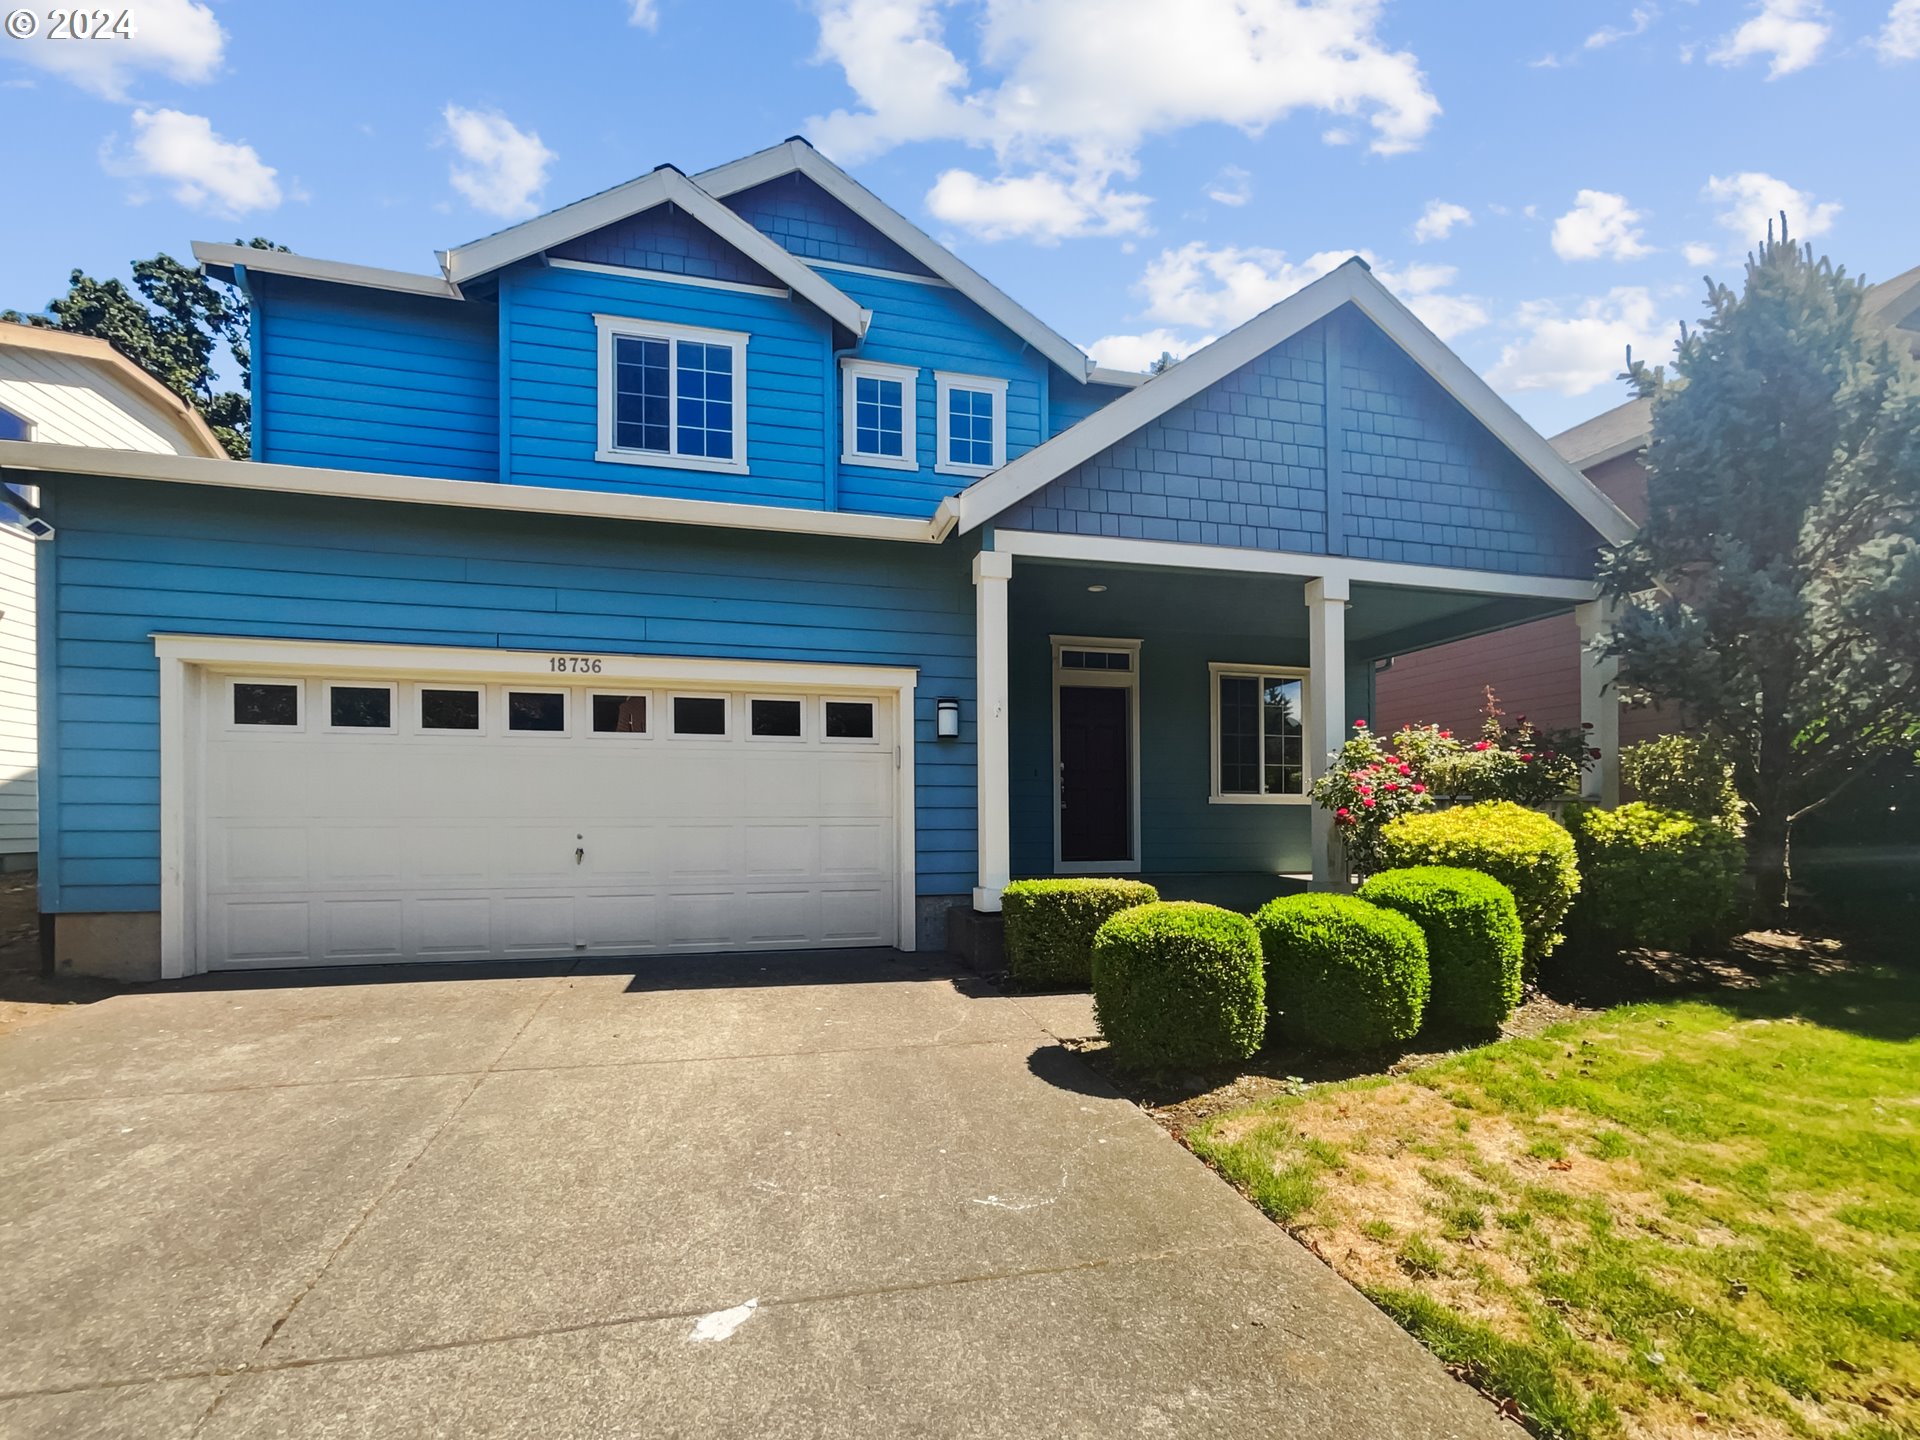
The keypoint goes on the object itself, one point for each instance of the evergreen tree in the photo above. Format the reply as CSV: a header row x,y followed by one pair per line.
x,y
1774,592
172,328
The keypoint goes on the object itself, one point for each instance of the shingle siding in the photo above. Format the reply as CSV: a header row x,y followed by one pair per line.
x,y
806,221
666,239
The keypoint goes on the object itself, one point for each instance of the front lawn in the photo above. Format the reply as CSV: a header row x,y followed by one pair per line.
x,y
1685,1218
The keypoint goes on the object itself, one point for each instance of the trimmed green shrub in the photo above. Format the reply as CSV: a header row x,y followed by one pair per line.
x,y
1680,772
1178,984
1524,850
1475,946
1051,925
1655,878
1341,972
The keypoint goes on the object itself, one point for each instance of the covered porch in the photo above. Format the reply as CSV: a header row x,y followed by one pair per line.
x,y
1162,709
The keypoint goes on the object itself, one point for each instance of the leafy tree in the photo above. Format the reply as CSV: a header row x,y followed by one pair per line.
x,y
172,328
1774,591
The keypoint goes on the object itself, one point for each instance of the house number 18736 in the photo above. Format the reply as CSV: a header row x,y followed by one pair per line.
x,y
573,664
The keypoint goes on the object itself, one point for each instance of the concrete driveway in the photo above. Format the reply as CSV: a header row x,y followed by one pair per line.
x,y
770,1196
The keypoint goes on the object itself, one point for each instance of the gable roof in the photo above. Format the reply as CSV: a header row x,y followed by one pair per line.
x,y
1608,435
796,155
665,185
189,427
1351,284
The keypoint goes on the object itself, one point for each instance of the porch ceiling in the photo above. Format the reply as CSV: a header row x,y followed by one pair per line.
x,y
1382,620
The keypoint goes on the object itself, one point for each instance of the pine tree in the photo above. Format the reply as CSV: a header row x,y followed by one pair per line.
x,y
1774,592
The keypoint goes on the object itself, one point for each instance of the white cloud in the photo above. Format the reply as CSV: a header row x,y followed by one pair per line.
x,y
177,39
1572,354
1790,33
1232,186
1137,352
645,14
1438,220
1697,254
1900,40
203,170
502,168
1045,207
1069,90
1754,201
1216,289
1601,224
1606,35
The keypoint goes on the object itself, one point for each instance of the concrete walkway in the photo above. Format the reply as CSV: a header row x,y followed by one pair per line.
x,y
770,1196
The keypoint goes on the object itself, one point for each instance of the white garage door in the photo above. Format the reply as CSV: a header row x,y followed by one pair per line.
x,y
348,821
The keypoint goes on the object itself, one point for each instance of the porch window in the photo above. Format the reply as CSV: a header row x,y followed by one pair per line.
x,y
1259,734
672,395
880,408
973,423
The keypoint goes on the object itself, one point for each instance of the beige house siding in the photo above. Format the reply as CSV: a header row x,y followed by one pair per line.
x,y
19,764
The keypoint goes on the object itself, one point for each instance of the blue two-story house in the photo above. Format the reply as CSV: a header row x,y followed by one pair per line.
x,y
720,563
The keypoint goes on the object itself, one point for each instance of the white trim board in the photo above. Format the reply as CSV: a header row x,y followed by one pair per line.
x,y
610,330
1218,670
662,186
466,494
1178,555
945,382
665,277
215,256
907,377
1351,284
188,662
796,155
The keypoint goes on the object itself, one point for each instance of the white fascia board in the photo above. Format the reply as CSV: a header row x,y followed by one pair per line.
x,y
792,155
1124,379
664,186
304,267
1352,283
1333,569
464,494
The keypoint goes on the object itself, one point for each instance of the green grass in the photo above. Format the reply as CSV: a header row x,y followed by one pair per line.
x,y
1685,1218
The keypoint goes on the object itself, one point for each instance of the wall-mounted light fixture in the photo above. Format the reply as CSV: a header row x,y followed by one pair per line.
x,y
1096,589
946,716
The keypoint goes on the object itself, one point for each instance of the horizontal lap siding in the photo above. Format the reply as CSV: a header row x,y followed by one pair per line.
x,y
139,559
1069,402
361,380
553,371
934,327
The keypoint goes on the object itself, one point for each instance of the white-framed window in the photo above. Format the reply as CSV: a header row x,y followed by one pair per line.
x,y
776,717
699,717
879,415
14,427
847,722
672,395
451,709
536,712
972,412
1259,715
260,704
627,714
359,705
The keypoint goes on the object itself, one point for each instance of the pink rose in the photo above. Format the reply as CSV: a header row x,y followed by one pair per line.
x,y
1343,814
1368,803
1406,769
1480,745
1446,734
1526,755
1418,788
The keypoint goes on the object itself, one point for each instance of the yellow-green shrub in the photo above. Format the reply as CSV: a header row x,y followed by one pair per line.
x,y
1655,878
1529,853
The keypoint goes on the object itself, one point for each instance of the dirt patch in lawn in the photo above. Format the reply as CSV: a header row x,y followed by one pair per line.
x,y
26,997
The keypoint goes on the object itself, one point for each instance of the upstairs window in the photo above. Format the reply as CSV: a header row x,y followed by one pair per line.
x,y
671,395
14,427
880,407
973,424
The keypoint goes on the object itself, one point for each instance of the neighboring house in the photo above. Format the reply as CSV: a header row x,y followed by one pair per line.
x,y
66,390
721,563
1537,669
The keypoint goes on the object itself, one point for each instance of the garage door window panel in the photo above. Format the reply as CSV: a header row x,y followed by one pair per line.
x,y
451,708
775,718
700,717
621,714
848,722
267,704
359,705
537,712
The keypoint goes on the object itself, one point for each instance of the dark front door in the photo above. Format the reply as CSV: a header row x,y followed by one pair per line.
x,y
1096,810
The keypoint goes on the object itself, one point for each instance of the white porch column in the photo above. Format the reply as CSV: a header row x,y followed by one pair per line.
x,y
1327,717
1599,704
991,572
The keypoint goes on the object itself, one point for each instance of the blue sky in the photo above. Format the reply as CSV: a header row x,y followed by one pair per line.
x,y
1140,181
